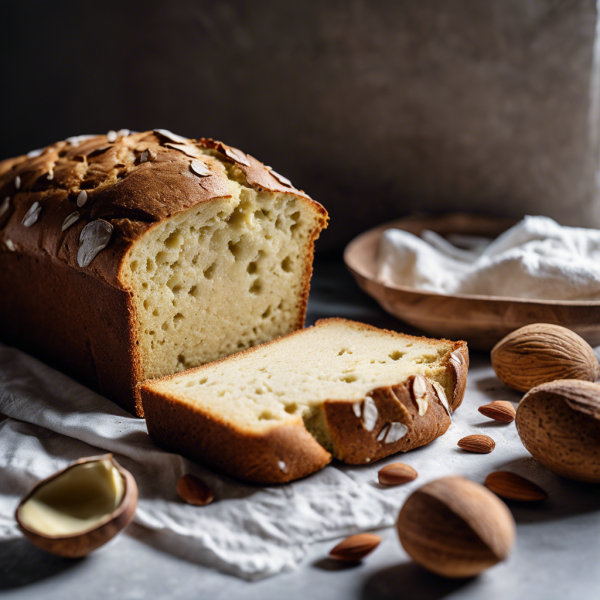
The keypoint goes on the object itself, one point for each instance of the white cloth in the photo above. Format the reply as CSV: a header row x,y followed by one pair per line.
x,y
536,259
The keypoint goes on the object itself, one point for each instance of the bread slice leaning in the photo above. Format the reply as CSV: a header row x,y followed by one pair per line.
x,y
280,411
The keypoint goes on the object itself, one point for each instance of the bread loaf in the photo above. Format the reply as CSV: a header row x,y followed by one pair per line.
x,y
131,256
280,411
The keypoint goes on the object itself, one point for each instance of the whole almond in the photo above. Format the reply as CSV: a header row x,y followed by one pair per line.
x,y
396,473
559,424
355,547
194,491
455,527
499,410
511,486
482,444
541,352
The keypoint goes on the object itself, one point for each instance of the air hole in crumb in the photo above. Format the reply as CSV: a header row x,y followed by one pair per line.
x,y
192,290
181,359
203,380
286,264
210,271
175,240
165,326
178,318
190,384
252,268
291,408
267,313
295,218
175,283
236,248
156,312
134,265
258,391
162,257
145,285
146,304
418,361
256,287
349,378
397,355
265,415
150,266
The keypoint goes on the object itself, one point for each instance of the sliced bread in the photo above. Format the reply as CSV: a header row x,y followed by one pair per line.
x,y
280,411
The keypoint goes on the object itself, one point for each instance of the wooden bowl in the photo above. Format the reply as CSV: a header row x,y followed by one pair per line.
x,y
481,321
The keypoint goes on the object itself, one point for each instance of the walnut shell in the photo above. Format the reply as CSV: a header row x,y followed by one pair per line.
x,y
456,527
559,423
541,352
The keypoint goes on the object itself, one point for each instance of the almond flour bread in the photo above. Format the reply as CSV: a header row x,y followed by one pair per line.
x,y
280,411
132,256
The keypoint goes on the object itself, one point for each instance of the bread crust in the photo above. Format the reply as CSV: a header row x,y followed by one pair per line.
x,y
205,437
283,453
47,299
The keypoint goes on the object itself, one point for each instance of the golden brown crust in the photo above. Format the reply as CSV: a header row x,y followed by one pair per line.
x,y
45,294
357,442
178,426
283,453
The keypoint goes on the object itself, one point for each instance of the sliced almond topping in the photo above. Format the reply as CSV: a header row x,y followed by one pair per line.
x,y
194,491
111,136
187,149
173,137
70,220
10,245
357,408
419,389
32,215
94,237
17,182
396,474
481,444
282,466
235,155
355,547
82,198
370,414
5,205
511,486
441,394
123,133
50,175
397,431
281,178
200,169
457,357
383,433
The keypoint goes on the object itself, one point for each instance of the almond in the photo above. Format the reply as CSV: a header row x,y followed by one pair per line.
x,y
559,424
500,410
194,491
541,352
355,547
482,444
511,486
455,527
396,473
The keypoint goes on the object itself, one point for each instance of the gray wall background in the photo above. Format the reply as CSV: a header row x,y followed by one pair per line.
x,y
376,108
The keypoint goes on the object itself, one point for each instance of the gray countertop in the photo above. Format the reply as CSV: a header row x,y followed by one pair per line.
x,y
556,555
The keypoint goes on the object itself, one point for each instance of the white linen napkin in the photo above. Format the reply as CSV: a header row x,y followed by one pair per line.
x,y
536,259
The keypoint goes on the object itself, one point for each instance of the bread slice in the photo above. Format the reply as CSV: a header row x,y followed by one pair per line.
x,y
280,411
